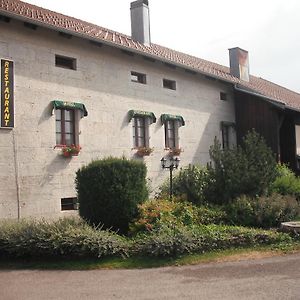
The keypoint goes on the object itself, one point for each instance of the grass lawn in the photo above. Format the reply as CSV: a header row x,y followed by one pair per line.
x,y
148,262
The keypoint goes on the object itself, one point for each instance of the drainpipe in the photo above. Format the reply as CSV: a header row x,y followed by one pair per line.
x,y
15,147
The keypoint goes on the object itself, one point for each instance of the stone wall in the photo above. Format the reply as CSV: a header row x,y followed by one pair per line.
x,y
30,165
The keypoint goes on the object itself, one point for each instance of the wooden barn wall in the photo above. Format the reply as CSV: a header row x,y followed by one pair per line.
x,y
254,113
288,142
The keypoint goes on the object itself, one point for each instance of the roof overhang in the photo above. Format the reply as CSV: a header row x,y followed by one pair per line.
x,y
111,44
270,100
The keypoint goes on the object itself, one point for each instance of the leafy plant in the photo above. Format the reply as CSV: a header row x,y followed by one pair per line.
x,y
191,182
65,237
264,211
109,191
71,150
159,213
249,169
286,183
176,241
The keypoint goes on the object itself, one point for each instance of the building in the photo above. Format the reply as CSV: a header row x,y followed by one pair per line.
x,y
65,81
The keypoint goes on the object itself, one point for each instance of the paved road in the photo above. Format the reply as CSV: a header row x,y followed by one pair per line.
x,y
269,278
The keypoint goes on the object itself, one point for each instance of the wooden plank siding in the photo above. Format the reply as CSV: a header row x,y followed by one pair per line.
x,y
288,142
255,113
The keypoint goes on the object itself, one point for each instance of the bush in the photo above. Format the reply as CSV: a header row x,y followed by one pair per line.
x,y
155,214
173,242
109,191
191,182
264,211
286,182
249,169
65,237
75,238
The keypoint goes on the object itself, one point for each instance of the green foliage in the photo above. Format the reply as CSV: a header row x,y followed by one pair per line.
x,y
159,213
74,238
109,191
65,237
191,182
248,169
176,241
264,211
286,183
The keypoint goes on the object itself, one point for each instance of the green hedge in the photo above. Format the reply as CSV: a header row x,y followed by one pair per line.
x,y
176,241
75,238
264,211
65,237
109,191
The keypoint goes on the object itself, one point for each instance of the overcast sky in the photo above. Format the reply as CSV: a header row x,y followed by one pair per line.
x,y
268,29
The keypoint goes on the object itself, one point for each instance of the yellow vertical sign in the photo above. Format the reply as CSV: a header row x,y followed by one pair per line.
x,y
7,93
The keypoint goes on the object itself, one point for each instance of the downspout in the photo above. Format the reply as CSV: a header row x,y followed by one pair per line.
x,y
15,147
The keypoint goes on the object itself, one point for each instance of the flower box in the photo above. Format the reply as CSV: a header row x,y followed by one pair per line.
x,y
175,151
144,151
72,150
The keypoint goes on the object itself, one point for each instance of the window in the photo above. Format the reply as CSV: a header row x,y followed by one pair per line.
x,y
228,135
172,124
223,96
141,132
169,84
141,121
65,62
65,127
138,77
171,134
69,203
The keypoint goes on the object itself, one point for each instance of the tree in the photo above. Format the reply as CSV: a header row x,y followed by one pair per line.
x,y
248,169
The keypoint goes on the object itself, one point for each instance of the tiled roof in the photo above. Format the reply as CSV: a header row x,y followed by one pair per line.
x,y
60,22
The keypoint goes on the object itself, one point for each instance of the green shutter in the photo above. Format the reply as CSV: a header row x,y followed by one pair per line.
x,y
168,117
144,114
57,104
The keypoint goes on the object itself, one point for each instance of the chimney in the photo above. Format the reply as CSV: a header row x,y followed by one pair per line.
x,y
239,63
140,21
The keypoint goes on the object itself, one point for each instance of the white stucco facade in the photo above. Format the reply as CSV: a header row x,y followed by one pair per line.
x,y
33,174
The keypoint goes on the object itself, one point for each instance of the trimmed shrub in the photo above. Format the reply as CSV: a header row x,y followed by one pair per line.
x,y
265,211
109,191
286,182
249,170
65,237
190,182
155,214
176,241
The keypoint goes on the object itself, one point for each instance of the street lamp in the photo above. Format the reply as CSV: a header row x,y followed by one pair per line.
x,y
171,164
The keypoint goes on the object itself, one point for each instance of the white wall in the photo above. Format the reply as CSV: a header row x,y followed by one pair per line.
x,y
102,83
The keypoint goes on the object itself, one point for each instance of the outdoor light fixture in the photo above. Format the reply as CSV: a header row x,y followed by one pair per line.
x,y
171,163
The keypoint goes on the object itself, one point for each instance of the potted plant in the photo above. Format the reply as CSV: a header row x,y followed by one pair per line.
x,y
144,151
175,151
72,150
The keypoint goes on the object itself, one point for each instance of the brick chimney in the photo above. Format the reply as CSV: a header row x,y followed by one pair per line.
x,y
140,21
239,63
